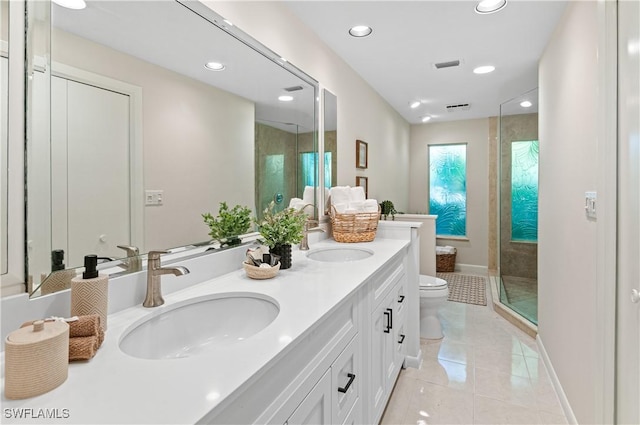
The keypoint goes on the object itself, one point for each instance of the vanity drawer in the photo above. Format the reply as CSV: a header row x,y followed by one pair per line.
x,y
383,285
346,378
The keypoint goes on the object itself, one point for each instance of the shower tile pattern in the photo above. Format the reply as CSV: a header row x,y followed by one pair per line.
x,y
484,371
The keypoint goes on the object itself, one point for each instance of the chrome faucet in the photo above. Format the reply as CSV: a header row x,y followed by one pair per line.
x,y
154,271
304,243
132,263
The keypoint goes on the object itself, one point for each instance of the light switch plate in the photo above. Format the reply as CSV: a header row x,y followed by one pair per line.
x,y
590,205
153,197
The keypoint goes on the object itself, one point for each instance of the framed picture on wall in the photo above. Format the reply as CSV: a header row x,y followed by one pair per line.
x,y
363,182
362,154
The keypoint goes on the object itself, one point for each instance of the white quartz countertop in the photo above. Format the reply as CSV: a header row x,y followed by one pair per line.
x,y
114,387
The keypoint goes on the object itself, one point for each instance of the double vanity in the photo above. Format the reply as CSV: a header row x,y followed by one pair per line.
x,y
323,342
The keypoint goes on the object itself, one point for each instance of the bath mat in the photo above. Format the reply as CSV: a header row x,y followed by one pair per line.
x,y
465,288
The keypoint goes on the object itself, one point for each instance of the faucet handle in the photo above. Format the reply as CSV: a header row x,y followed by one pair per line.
x,y
131,251
155,255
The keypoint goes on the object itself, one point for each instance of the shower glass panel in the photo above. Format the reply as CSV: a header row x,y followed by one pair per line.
x,y
518,212
283,164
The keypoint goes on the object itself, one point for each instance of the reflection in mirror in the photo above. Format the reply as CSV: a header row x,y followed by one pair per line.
x,y
330,140
145,138
4,132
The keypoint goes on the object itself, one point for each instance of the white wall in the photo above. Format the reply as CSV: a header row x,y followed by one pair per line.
x,y
567,240
475,133
181,157
362,113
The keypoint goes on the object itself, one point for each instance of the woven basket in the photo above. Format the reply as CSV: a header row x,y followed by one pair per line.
x,y
445,263
261,272
358,227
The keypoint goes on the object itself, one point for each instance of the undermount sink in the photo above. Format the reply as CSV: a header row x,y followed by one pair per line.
x,y
200,325
339,255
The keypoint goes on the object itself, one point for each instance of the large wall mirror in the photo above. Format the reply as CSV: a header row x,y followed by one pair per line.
x,y
4,131
148,114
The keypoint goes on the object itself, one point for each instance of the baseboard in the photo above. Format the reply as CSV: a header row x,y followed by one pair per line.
x,y
414,362
472,269
562,397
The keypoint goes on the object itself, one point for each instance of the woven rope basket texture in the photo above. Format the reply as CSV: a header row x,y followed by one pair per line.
x,y
261,272
445,262
38,366
352,228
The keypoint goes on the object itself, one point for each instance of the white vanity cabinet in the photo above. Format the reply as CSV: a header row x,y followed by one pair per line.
x,y
387,335
332,400
317,382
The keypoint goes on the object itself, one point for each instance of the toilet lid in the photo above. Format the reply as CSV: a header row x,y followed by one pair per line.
x,y
430,282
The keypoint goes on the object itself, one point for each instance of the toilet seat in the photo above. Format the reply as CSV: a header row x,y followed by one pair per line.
x,y
431,282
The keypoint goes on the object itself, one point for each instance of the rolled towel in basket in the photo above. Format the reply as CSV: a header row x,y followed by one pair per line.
x,y
340,208
370,206
357,206
357,194
309,194
293,203
340,195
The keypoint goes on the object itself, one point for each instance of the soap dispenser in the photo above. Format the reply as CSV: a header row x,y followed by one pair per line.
x,y
59,279
89,293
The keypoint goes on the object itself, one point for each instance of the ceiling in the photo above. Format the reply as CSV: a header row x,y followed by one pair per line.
x,y
409,37
169,35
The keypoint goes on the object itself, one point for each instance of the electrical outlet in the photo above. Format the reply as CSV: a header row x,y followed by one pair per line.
x,y
153,197
590,205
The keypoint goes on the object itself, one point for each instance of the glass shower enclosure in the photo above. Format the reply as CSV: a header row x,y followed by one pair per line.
x,y
518,205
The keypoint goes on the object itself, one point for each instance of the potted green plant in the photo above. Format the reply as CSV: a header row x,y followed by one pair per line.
x,y
281,229
229,224
386,209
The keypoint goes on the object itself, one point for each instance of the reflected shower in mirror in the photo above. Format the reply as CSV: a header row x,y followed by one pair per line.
x,y
157,116
4,132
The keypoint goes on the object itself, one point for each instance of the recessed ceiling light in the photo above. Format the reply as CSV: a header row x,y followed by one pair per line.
x,y
484,69
425,119
71,4
490,6
360,31
214,66
526,104
228,22
415,104
285,98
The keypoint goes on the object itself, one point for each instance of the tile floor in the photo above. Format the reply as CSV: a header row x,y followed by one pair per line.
x,y
484,371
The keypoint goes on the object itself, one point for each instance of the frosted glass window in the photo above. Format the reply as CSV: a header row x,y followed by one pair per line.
x,y
308,160
448,188
524,191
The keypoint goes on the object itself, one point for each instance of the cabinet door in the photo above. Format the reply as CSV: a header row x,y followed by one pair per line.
x,y
378,356
346,377
355,415
316,407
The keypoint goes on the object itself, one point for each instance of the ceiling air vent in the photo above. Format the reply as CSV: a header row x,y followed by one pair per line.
x,y
458,107
447,64
293,88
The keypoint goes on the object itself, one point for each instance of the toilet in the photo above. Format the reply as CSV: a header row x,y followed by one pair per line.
x,y
433,293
